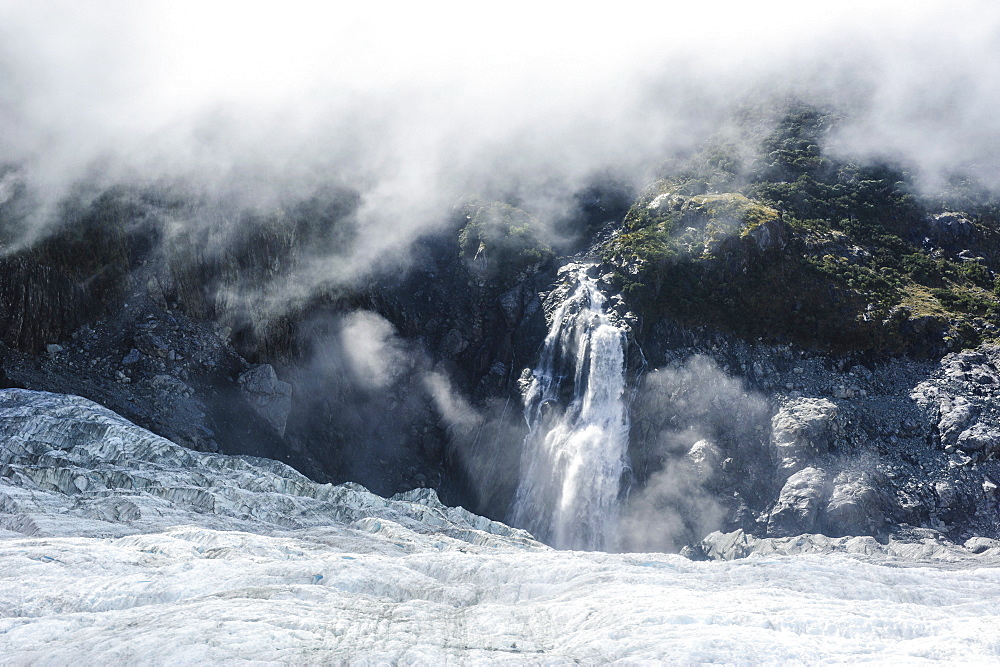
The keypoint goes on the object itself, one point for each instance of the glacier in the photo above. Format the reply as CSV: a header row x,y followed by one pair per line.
x,y
117,545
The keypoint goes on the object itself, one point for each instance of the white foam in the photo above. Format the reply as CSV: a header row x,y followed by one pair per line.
x,y
575,455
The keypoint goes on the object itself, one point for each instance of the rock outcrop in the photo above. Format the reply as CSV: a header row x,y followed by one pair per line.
x,y
803,429
269,396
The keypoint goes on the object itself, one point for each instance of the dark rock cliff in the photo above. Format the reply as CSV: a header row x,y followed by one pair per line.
x,y
811,349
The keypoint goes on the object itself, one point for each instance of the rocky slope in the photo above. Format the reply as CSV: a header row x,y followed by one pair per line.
x,y
781,442
810,342
772,439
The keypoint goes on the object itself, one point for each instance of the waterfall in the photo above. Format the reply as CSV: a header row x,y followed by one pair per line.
x,y
575,453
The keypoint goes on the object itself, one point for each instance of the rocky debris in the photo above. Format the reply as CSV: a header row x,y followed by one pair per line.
x,y
168,384
803,429
887,431
913,545
856,505
269,396
453,344
965,395
152,345
844,391
799,503
164,371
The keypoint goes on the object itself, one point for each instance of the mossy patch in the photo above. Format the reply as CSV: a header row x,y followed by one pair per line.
x,y
501,240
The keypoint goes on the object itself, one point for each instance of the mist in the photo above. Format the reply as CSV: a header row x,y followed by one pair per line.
x,y
255,106
692,420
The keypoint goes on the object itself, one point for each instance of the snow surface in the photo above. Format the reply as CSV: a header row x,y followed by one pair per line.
x,y
225,558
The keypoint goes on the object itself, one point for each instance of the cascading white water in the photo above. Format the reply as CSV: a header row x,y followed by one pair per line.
x,y
575,454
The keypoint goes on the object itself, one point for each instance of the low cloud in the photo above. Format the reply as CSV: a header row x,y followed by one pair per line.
x,y
254,105
374,355
692,419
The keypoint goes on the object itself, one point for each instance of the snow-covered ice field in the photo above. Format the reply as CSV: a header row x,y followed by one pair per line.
x,y
326,595
118,546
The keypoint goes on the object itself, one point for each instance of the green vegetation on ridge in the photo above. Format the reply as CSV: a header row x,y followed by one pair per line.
x,y
811,248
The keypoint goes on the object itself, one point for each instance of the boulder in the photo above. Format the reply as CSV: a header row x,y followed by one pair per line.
x,y
948,497
798,504
803,429
956,413
703,459
978,545
979,438
152,345
270,397
856,506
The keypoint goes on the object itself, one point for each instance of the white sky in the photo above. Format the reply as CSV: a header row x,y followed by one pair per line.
x,y
191,52
416,96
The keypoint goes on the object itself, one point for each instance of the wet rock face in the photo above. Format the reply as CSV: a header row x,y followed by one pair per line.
x,y
483,327
38,305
